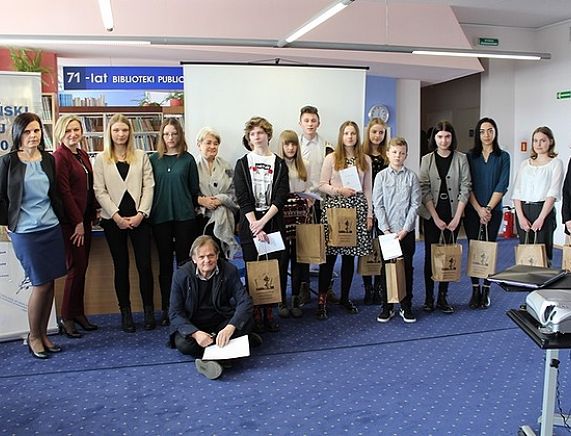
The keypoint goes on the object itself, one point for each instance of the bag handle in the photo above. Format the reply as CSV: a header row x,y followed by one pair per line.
x,y
526,238
484,233
442,239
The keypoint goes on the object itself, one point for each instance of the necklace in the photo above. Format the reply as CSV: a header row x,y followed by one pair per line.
x,y
170,163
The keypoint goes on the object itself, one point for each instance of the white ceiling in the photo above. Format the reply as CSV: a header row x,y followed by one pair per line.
x,y
424,23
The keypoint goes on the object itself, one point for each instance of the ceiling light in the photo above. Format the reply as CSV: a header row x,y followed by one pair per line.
x,y
75,40
321,17
106,14
482,54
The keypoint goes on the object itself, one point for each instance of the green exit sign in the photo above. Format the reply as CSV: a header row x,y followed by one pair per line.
x,y
489,42
564,95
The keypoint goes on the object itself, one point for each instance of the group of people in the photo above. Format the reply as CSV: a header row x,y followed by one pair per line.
x,y
192,208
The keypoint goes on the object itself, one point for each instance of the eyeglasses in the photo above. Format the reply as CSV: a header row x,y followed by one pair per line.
x,y
170,134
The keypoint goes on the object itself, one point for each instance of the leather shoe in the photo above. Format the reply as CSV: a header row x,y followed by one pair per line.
x,y
37,354
67,327
85,324
349,306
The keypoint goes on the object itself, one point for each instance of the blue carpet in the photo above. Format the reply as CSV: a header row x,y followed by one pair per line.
x,y
470,373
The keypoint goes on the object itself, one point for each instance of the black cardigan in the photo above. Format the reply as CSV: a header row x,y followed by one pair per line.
x,y
12,173
247,202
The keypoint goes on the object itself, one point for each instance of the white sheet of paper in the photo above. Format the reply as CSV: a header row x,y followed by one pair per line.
x,y
309,195
350,179
238,347
390,246
276,244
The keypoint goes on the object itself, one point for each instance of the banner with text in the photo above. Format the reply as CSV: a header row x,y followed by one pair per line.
x,y
123,78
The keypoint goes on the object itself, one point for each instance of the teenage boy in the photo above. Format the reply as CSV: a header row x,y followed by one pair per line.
x,y
396,199
313,150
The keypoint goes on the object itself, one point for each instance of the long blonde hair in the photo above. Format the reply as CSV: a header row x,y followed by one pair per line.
x,y
339,153
290,137
109,146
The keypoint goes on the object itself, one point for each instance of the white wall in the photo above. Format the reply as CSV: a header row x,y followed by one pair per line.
x,y
408,119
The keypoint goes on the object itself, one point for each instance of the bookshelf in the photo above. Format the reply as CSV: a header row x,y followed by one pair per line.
x,y
146,122
49,115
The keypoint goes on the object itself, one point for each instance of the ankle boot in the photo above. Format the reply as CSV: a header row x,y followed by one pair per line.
x,y
485,300
150,322
322,306
258,320
270,324
127,324
476,297
369,295
304,294
296,311
428,305
165,320
442,304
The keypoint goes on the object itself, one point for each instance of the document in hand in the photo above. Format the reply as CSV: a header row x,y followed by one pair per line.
x,y
276,243
390,246
350,179
238,347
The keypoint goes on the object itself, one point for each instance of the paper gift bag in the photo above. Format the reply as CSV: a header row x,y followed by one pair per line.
x,y
482,257
264,281
531,254
310,243
370,265
342,223
446,262
566,259
396,281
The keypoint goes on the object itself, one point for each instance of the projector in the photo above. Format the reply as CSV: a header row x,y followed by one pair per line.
x,y
551,308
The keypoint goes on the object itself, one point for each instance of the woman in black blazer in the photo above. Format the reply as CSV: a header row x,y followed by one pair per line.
x,y
30,208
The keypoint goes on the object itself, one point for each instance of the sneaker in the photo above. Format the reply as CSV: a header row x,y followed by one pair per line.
x,y
385,315
210,369
407,316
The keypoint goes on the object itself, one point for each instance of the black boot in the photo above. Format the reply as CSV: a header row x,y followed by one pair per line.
x,y
322,306
127,324
428,305
369,295
476,297
150,322
442,304
165,320
485,300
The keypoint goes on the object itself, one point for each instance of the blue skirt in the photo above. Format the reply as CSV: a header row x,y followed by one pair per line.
x,y
42,254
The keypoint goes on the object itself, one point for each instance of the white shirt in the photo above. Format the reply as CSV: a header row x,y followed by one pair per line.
x,y
313,151
295,183
262,175
536,183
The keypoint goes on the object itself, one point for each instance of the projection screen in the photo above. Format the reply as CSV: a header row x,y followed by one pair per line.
x,y
225,96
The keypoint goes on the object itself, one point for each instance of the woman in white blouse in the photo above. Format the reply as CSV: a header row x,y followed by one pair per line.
x,y
537,187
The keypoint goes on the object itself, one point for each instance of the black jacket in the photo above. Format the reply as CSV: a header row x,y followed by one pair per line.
x,y
247,202
12,173
229,298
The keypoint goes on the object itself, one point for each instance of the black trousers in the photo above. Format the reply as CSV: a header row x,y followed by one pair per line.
x,y
299,271
472,226
347,272
188,346
141,242
432,236
408,247
172,237
543,236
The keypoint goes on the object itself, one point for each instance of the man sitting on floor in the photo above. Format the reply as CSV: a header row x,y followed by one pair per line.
x,y
208,304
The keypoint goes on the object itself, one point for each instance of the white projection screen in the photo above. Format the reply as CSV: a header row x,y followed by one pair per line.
x,y
225,96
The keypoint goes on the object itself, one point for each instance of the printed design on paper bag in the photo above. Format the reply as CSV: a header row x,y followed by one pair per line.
x,y
375,256
264,283
531,261
484,259
345,227
451,264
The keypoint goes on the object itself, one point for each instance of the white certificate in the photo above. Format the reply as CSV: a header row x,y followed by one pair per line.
x,y
238,347
276,243
350,179
390,246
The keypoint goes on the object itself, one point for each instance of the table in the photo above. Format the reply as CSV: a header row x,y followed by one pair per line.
x,y
551,344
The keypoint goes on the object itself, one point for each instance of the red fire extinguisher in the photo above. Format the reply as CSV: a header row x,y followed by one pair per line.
x,y
508,224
